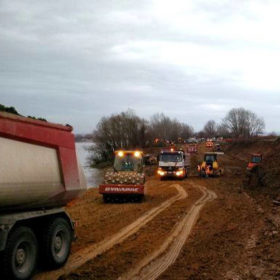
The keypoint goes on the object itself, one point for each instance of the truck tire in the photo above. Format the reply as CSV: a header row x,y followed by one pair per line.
x,y
56,243
20,255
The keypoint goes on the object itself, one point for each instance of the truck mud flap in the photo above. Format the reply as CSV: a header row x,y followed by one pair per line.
x,y
4,232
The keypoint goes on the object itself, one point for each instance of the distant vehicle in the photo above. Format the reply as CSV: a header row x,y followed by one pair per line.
x,y
254,170
173,163
39,175
255,162
192,140
227,140
150,159
210,167
192,148
209,144
127,178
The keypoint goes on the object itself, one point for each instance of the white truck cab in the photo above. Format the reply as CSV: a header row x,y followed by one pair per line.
x,y
173,163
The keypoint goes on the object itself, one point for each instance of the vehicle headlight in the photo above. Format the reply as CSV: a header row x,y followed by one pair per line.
x,y
137,154
179,172
120,153
161,172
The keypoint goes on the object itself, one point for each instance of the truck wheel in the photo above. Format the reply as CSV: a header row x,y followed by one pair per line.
x,y
56,243
20,255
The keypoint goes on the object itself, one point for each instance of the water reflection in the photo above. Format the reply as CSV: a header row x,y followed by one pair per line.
x,y
94,176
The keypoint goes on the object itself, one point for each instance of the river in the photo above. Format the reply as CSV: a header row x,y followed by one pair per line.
x,y
94,176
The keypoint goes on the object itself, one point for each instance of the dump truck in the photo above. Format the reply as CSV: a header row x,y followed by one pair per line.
x,y
126,180
173,163
39,175
210,167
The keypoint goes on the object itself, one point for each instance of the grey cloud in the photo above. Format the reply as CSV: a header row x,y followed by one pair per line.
x,y
57,62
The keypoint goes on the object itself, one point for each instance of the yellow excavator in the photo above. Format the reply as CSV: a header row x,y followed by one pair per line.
x,y
210,167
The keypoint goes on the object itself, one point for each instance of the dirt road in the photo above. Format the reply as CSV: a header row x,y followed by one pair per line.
x,y
156,263
180,231
82,256
180,212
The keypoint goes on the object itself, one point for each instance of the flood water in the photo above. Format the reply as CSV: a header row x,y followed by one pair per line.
x,y
94,176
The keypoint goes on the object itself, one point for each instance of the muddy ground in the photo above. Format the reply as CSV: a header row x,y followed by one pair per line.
x,y
236,235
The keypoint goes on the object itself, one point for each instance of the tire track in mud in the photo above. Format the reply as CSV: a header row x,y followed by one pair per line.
x,y
154,265
84,255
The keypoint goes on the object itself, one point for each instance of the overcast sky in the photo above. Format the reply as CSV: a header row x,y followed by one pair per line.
x,y
76,61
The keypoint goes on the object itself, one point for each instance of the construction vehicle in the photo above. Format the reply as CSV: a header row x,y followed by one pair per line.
x,y
209,144
150,159
192,141
39,174
255,162
192,148
126,180
210,167
173,163
254,170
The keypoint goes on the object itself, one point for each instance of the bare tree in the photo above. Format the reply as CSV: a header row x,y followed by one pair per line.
x,y
163,127
186,131
222,130
200,134
160,126
243,123
124,130
210,129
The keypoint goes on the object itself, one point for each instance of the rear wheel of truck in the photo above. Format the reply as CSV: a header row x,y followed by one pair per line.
x,y
56,243
20,255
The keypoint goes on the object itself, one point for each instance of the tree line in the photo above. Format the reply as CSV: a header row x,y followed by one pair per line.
x,y
126,130
238,123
